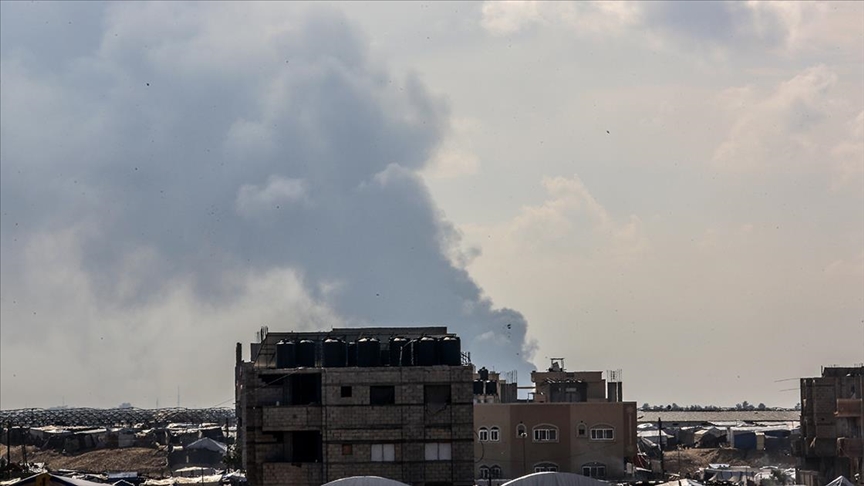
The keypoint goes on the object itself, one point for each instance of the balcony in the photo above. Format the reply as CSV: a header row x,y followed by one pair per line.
x,y
292,417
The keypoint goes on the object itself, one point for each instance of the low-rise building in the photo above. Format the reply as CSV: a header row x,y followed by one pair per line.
x,y
573,422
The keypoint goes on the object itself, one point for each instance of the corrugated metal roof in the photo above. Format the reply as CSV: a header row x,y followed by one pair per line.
x,y
670,417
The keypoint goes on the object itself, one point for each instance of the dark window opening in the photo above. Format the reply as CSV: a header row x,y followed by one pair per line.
x,y
346,392
306,446
305,389
382,395
347,450
436,394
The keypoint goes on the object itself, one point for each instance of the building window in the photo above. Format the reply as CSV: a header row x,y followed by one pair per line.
x,y
545,433
594,470
382,395
494,434
346,392
347,450
383,452
495,472
436,394
484,472
602,433
520,431
546,467
438,451
483,434
581,430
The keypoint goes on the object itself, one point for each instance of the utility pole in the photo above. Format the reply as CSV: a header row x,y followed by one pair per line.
x,y
660,442
9,450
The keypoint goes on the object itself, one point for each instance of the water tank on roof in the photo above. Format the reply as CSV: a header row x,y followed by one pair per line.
x,y
286,354
478,387
335,353
491,387
426,351
306,353
408,352
398,347
352,354
368,352
450,351
484,373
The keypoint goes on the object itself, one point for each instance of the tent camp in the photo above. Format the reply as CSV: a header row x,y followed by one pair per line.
x,y
555,479
364,481
48,479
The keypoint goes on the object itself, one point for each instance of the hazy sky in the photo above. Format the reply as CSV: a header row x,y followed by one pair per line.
x,y
673,189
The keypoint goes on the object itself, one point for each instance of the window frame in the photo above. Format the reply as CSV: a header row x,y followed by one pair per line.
x,y
496,472
494,434
602,432
545,467
521,431
483,434
544,433
384,447
582,430
439,447
596,470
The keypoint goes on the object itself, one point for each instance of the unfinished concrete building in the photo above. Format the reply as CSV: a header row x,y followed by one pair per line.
x,y
832,426
392,402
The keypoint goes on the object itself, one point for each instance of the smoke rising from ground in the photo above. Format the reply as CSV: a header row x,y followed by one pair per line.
x,y
189,175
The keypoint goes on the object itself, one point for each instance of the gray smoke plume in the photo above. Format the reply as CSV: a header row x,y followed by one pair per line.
x,y
156,175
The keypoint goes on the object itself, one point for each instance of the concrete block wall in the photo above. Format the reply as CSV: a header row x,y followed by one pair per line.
x,y
286,418
284,473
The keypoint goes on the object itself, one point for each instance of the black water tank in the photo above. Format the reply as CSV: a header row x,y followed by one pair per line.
x,y
306,353
484,373
478,387
396,350
491,387
426,351
450,351
335,352
286,354
368,352
352,354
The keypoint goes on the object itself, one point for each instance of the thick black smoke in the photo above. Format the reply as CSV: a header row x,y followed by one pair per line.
x,y
193,142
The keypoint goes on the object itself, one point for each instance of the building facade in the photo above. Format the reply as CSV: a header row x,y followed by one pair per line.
x,y
389,402
569,424
832,426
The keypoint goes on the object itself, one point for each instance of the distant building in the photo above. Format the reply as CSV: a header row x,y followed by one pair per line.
x,y
832,426
573,422
314,407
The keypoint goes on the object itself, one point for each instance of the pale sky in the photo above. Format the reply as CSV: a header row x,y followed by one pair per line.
x,y
672,189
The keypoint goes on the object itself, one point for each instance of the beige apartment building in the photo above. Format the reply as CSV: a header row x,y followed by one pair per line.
x,y
389,402
572,422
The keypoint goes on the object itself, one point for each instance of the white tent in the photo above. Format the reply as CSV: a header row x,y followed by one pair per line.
x,y
364,481
555,479
207,444
840,481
